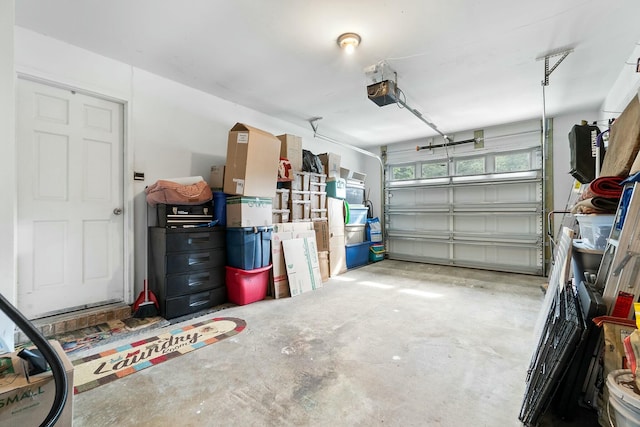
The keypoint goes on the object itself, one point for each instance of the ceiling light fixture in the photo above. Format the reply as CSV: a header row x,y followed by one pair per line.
x,y
349,42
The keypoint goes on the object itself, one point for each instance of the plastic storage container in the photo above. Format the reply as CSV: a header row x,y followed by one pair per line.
x,y
281,215
353,234
357,214
354,194
248,248
376,252
587,260
595,229
220,208
623,403
337,188
247,286
357,254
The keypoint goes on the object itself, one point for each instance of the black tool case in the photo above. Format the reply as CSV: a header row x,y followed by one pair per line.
x,y
184,215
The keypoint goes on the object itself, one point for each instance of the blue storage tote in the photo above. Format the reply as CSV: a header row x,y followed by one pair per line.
x,y
248,248
220,208
357,254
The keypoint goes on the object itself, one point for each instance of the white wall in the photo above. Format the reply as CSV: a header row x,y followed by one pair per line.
x,y
624,89
7,167
173,130
374,184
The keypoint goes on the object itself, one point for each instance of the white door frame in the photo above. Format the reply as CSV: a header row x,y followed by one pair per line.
x,y
127,168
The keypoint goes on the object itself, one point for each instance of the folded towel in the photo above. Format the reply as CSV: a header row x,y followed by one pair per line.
x,y
605,186
596,205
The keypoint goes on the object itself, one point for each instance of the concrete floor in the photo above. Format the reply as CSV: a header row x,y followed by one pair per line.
x,y
390,344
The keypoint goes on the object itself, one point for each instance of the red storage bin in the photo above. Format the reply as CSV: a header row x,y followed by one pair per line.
x,y
247,286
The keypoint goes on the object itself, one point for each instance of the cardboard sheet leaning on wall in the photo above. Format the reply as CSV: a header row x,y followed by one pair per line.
x,y
624,143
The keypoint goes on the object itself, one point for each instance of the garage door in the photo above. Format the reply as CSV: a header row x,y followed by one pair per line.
x,y
474,205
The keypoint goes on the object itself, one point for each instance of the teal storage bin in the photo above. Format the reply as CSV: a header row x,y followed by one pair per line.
x,y
376,252
337,188
248,248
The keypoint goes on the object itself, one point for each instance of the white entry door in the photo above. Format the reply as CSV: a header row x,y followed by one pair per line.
x,y
70,199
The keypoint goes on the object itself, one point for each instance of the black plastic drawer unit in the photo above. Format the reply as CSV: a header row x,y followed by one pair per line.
x,y
182,284
186,269
192,303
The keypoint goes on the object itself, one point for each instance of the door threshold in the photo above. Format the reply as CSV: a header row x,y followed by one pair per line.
x,y
75,320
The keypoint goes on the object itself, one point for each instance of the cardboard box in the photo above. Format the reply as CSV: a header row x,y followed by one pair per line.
x,y
331,164
303,268
249,211
253,157
280,282
295,227
335,215
337,256
323,259
281,232
216,181
26,401
291,149
322,235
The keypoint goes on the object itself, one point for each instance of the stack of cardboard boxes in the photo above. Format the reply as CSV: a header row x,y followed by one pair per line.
x,y
250,179
263,228
251,175
300,218
289,226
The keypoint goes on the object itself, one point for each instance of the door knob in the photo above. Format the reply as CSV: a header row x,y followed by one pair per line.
x,y
117,211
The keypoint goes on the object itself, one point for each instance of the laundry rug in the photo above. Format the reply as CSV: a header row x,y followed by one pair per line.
x,y
101,368
83,340
101,334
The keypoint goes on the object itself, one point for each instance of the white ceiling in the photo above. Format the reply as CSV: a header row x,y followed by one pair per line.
x,y
463,64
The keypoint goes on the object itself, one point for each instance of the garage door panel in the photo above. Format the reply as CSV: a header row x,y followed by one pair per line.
x,y
416,249
497,193
486,215
411,198
420,223
514,224
520,257
518,193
